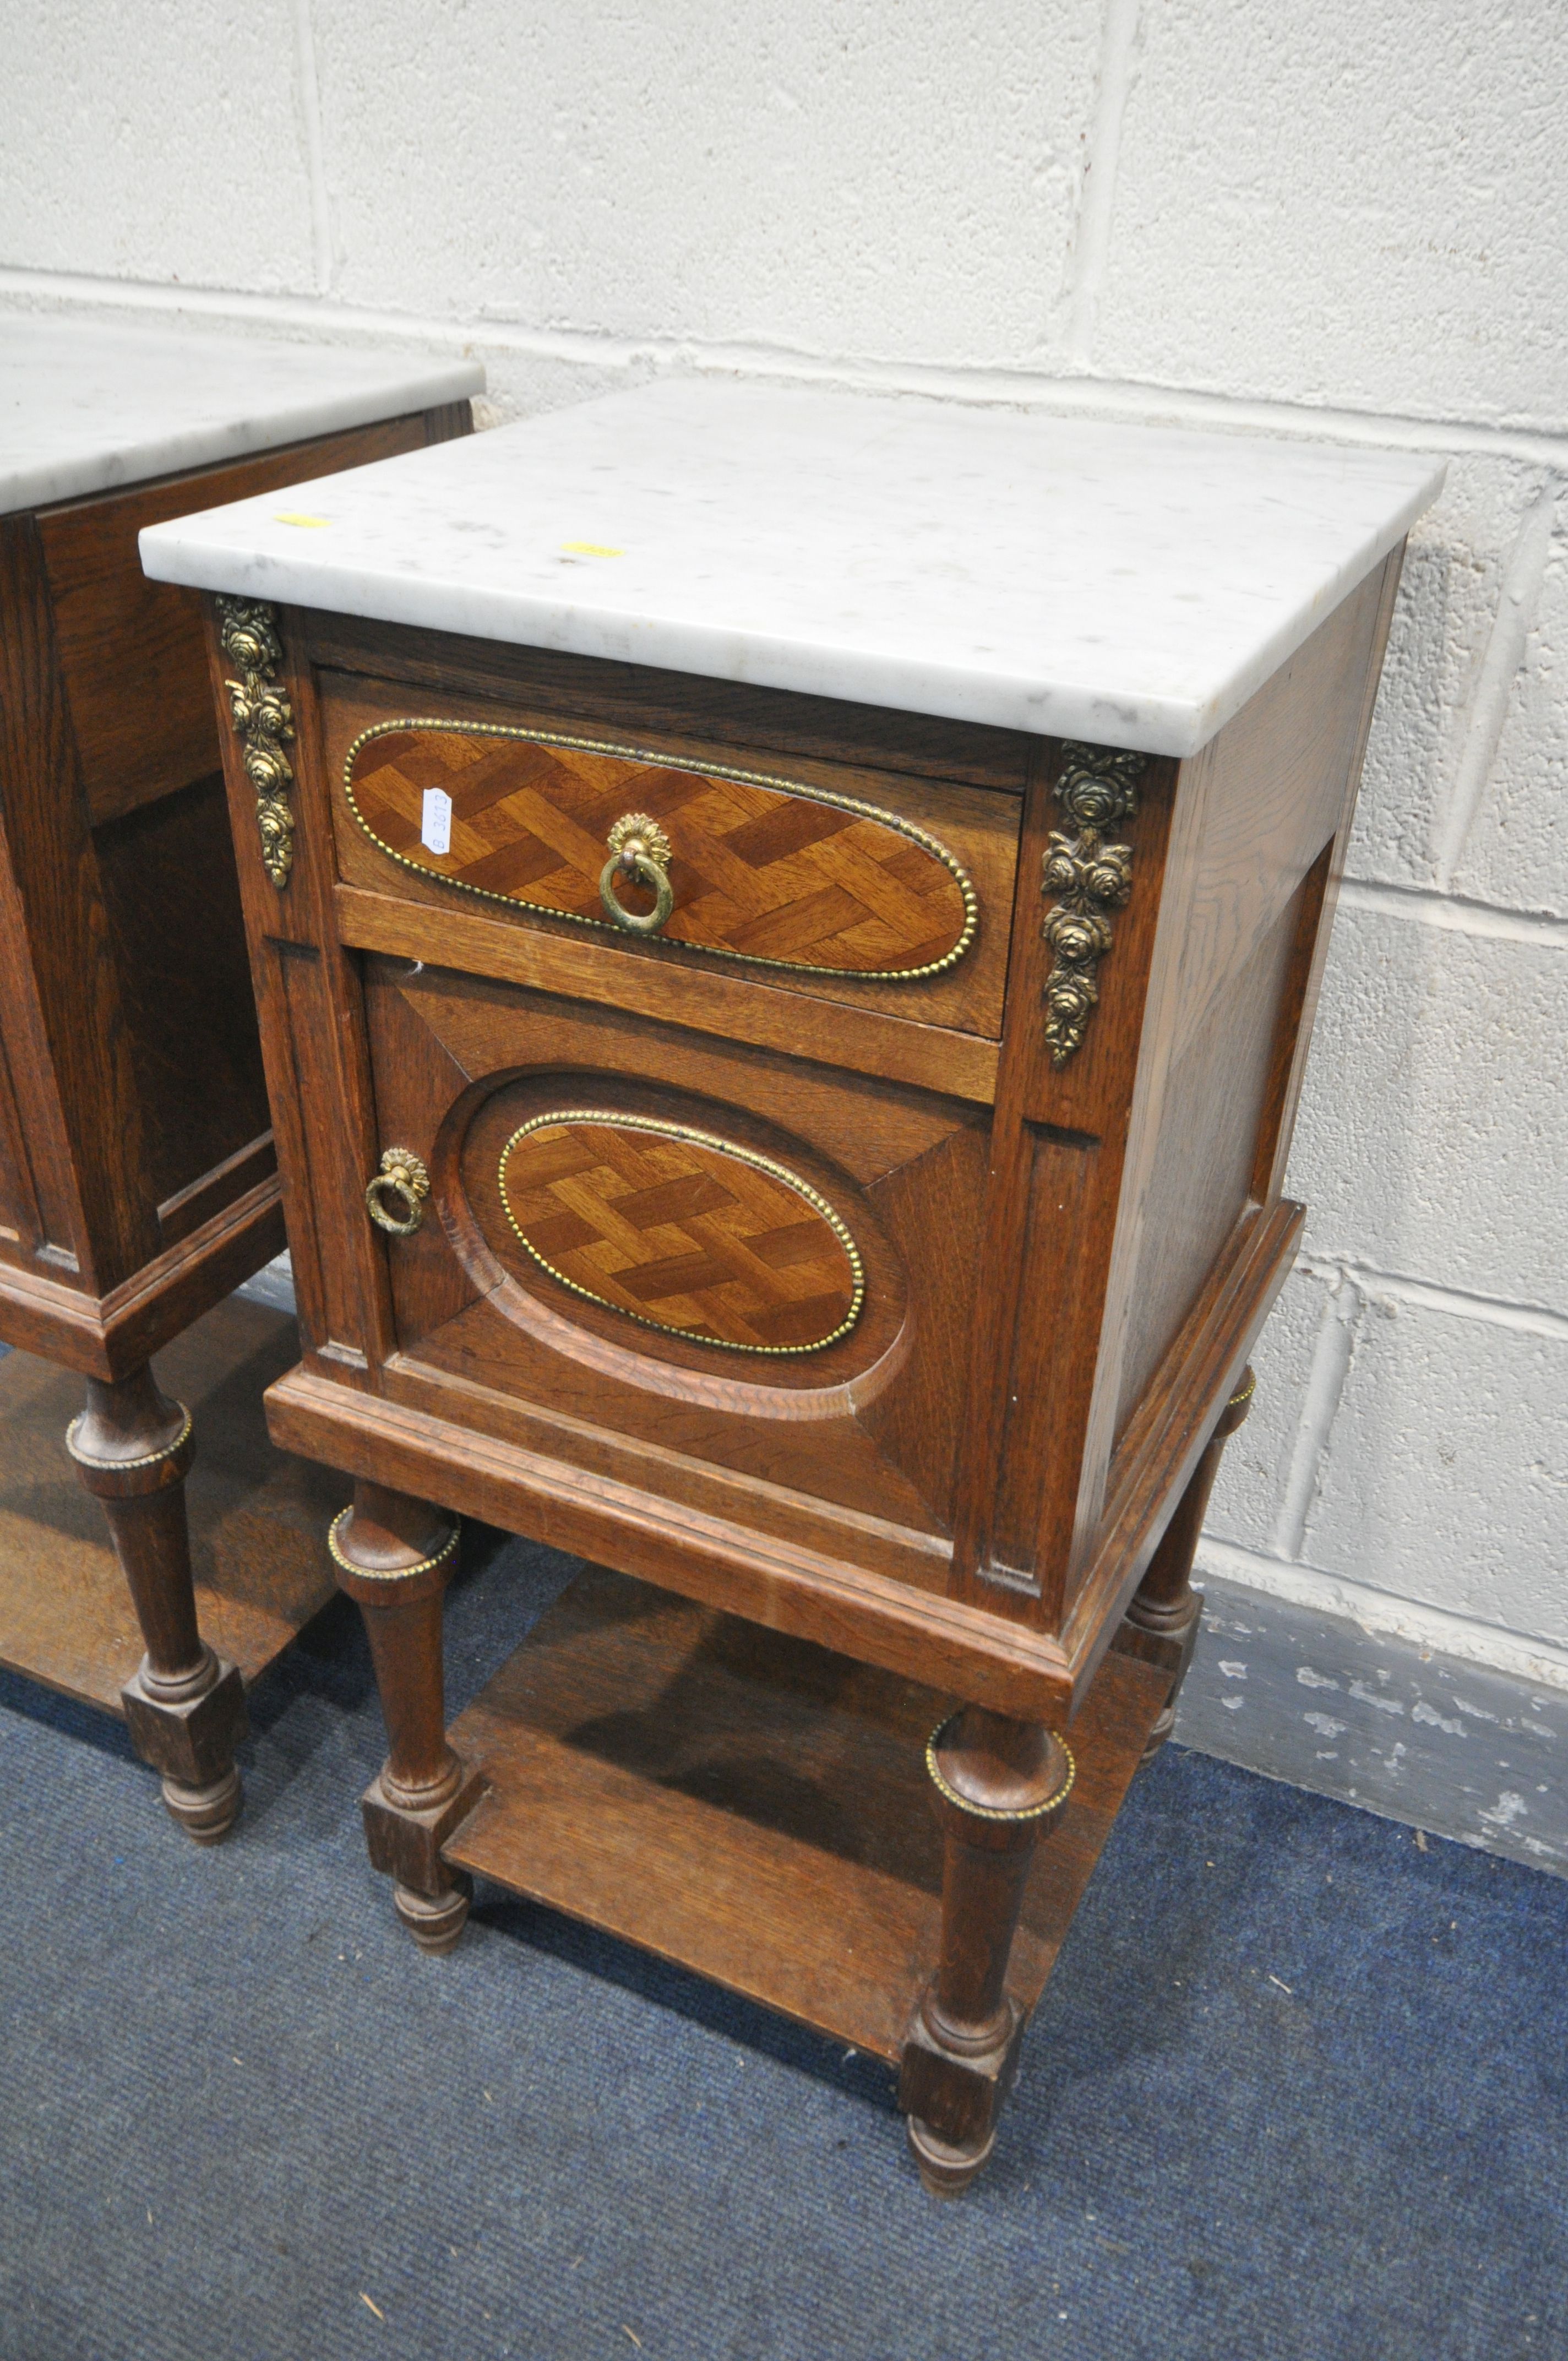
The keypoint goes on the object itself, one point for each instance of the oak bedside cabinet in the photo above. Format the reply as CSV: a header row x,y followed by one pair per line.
x,y
139,1184
783,1027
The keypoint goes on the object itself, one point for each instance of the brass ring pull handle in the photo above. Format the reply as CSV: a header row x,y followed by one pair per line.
x,y
404,1176
638,847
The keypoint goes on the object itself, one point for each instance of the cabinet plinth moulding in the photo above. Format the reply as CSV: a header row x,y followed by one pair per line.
x,y
138,1173
851,1263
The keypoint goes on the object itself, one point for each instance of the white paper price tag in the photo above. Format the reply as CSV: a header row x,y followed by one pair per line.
x,y
435,821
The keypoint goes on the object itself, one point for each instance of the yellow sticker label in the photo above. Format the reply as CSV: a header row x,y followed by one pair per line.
x,y
292,516
591,549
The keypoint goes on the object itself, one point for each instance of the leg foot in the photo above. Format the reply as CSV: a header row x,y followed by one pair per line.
x,y
185,1708
1000,1785
945,2170
206,1813
435,1921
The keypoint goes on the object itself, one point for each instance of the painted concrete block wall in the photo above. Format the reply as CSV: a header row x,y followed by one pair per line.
x,y
1333,220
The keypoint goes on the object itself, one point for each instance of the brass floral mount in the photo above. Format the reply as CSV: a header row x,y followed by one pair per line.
x,y
1097,789
248,633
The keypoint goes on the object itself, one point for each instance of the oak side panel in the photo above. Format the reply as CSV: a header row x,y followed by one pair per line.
x,y
130,649
172,902
61,936
1259,812
1215,1101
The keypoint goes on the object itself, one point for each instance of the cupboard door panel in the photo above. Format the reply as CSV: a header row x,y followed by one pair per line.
x,y
652,1240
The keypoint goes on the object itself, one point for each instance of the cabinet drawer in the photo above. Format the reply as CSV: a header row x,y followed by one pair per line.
x,y
845,883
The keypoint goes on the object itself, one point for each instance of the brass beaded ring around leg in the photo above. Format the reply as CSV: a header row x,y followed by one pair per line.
x,y
388,1572
989,1811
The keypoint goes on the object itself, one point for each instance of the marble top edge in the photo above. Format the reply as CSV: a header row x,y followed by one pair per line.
x,y
88,405
1073,577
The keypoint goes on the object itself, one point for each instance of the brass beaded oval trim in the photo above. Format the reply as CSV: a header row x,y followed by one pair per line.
x,y
794,788
987,1811
387,1572
726,1151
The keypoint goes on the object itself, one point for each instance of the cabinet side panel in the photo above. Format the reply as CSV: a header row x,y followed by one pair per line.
x,y
131,657
1243,932
173,905
65,983
1216,1105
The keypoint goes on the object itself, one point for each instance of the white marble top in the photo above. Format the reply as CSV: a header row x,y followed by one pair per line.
x,y
88,405
1122,584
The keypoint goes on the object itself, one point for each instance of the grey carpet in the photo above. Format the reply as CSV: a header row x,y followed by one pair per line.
x,y
1296,2090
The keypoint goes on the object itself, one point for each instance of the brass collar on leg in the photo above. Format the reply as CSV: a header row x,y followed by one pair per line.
x,y
1053,1802
385,1573
146,1459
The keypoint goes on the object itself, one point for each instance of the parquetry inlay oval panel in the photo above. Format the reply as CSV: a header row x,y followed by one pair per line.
x,y
682,1231
761,871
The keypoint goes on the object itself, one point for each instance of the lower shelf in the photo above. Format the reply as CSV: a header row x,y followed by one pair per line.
x,y
755,1808
258,1519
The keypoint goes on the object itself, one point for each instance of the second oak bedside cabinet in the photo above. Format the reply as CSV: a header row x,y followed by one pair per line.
x,y
782,1032
138,1185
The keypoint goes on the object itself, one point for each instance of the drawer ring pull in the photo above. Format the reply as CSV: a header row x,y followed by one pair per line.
x,y
638,847
404,1176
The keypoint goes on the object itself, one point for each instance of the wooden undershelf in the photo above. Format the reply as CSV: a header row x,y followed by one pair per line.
x,y
753,1806
258,1519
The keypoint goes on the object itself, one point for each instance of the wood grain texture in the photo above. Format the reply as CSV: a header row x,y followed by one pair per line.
x,y
74,981
869,1422
684,1232
108,1335
790,1587
1214,1108
613,975
757,872
171,902
130,649
631,700
1254,813
795,889
135,1149
1059,1142
755,1808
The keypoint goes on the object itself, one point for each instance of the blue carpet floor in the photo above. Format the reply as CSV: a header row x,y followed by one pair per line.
x,y
1296,2090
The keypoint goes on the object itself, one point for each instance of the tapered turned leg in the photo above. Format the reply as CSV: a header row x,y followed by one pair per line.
x,y
1000,1785
186,1708
1162,1623
394,1556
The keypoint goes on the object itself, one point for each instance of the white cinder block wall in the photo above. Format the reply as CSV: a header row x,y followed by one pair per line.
x,y
1259,214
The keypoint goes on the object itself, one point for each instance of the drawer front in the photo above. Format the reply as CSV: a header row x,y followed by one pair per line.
x,y
845,884
757,869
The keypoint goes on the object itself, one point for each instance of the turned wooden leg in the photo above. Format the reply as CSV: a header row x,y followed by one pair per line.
x,y
1162,1623
1000,1785
185,1708
394,1556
